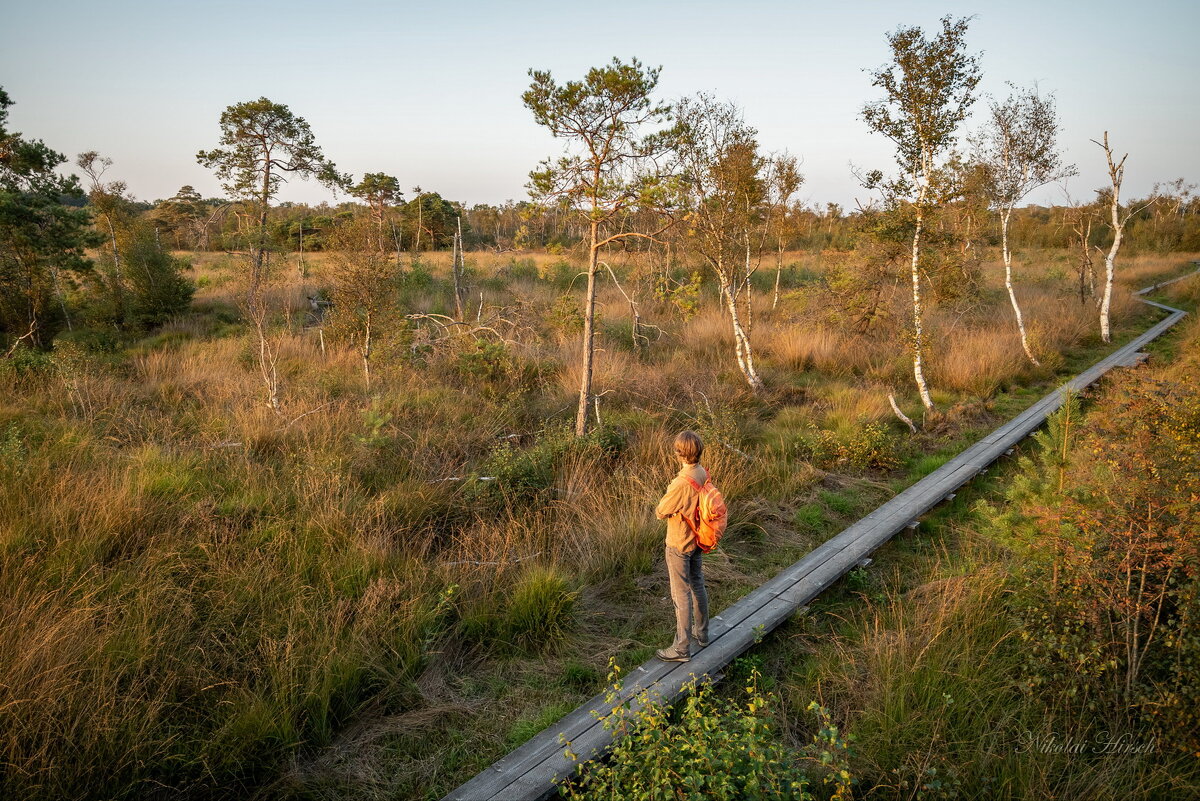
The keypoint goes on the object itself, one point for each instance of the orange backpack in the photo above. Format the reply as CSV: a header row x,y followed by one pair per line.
x,y
711,515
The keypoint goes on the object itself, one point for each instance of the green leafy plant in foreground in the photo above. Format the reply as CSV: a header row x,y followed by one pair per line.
x,y
709,747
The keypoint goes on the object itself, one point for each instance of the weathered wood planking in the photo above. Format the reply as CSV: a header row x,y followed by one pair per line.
x,y
530,772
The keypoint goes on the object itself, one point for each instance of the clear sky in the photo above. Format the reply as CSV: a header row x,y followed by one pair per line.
x,y
430,92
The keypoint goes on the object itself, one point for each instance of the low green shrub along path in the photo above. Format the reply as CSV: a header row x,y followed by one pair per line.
x,y
530,772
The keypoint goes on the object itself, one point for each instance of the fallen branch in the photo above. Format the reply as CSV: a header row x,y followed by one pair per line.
x,y
298,418
900,414
447,323
26,335
492,564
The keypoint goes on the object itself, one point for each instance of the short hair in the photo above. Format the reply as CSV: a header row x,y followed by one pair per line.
x,y
689,447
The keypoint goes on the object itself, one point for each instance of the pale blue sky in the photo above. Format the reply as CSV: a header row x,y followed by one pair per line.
x,y
431,93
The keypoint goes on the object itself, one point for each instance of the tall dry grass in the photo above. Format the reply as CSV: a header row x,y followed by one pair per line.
x,y
195,589
926,680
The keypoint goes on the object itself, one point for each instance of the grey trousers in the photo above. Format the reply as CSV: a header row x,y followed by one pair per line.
x,y
689,597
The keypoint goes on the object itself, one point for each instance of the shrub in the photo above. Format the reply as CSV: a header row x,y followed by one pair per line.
x,y
683,294
418,277
25,362
709,747
565,316
866,446
147,289
524,474
560,273
488,362
1109,591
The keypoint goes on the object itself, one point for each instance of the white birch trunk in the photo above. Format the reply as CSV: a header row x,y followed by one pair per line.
x,y
1116,173
778,274
741,342
112,233
918,330
1008,282
1110,259
457,269
749,288
366,351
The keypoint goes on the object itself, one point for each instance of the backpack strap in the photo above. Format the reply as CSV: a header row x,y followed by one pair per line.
x,y
699,488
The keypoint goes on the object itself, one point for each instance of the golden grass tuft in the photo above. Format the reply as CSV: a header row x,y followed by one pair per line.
x,y
978,361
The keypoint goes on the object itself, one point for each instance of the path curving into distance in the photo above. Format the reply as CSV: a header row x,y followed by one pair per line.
x,y
529,773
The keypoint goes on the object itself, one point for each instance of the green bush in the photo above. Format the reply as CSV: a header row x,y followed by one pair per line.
x,y
868,446
145,289
682,291
417,277
561,273
521,269
1107,591
488,362
565,316
710,748
25,362
524,474
95,340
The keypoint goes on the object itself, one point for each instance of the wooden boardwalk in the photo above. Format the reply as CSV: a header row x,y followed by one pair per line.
x,y
530,772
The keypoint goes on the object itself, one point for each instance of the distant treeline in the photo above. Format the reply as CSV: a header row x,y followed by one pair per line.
x,y
1169,220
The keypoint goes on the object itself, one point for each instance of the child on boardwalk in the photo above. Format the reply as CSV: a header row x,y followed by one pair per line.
x,y
684,567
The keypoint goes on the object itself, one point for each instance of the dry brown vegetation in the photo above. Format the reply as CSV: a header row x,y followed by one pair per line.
x,y
197,590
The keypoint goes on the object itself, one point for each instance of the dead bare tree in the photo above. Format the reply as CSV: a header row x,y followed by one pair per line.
x,y
1112,198
261,143
1079,217
457,268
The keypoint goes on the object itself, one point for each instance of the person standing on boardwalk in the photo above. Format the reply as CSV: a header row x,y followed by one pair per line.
x,y
678,506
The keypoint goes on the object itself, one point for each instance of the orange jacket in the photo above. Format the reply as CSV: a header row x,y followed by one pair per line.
x,y
681,500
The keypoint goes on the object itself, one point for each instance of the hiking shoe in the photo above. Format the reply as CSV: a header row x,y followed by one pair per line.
x,y
702,643
669,656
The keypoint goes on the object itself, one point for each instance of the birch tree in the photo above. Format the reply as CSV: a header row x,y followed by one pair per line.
x,y
137,284
609,170
1079,218
1018,151
929,87
262,143
726,193
785,182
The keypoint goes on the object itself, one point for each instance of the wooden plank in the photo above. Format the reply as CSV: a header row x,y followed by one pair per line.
x,y
1135,359
546,743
